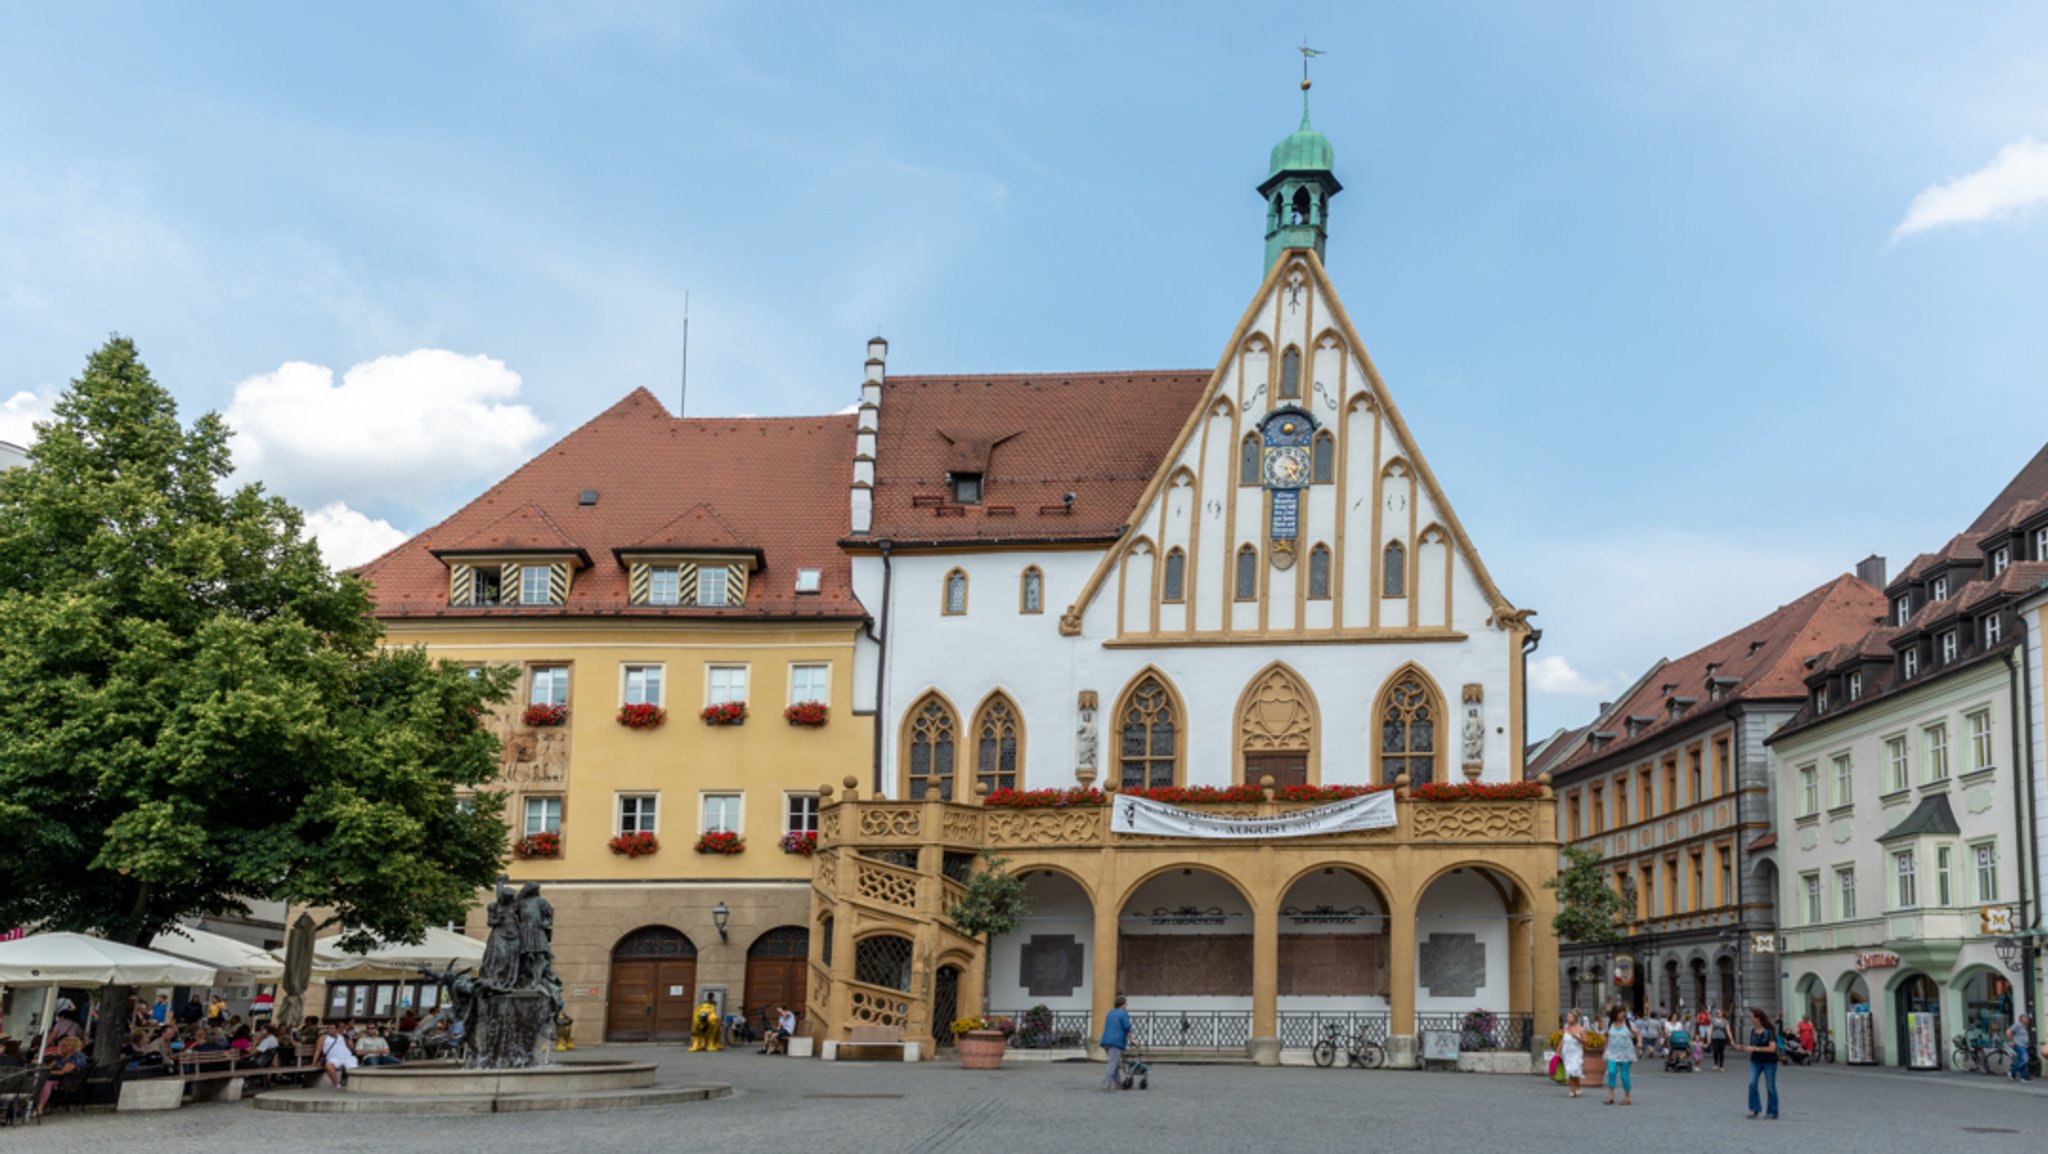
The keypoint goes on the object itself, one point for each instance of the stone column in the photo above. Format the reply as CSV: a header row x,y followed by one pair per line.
x,y
1265,1041
1103,980
1401,1048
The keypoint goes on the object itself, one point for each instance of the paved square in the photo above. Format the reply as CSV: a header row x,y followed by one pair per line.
x,y
782,1105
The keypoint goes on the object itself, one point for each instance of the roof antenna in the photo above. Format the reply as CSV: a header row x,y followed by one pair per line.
x,y
685,398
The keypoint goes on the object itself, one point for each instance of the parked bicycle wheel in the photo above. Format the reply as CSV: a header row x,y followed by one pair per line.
x,y
1371,1056
1326,1053
1962,1060
1997,1061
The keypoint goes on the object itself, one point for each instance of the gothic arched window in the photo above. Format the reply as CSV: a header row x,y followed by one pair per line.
x,y
1248,460
1394,570
1290,373
1325,465
956,593
929,736
1247,574
1148,750
998,744
1173,586
1319,573
1031,598
1408,718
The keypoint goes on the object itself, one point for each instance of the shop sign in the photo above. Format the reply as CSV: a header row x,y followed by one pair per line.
x,y
1624,972
1877,960
1998,920
1763,943
13,935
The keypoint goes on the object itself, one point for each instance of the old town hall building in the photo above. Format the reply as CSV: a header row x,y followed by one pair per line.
x,y
1240,591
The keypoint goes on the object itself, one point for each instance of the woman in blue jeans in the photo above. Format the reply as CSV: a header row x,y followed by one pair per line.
x,y
1763,1063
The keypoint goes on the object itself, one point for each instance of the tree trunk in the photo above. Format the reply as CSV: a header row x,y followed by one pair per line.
x,y
112,1032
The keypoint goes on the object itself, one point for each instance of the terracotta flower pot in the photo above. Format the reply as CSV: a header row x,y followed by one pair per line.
x,y
1596,1068
981,1049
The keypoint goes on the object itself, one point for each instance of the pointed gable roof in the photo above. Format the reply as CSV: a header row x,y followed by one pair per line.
x,y
698,529
776,486
527,529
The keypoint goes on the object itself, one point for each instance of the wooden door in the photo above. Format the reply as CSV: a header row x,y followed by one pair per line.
x,y
629,1012
675,990
778,972
1286,768
653,987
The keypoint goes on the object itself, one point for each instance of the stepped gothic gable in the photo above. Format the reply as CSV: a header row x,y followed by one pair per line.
x,y
1295,504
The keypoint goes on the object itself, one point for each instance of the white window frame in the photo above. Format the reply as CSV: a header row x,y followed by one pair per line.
x,y
1820,700
1809,790
1951,645
789,814
711,586
1905,882
797,695
1898,752
1845,893
809,580
1845,779
1944,875
664,585
1910,659
1993,629
1984,870
1811,884
711,692
1855,684
527,573
651,820
2041,544
1982,744
534,681
2000,558
1939,592
739,810
526,822
1935,740
1903,611
660,672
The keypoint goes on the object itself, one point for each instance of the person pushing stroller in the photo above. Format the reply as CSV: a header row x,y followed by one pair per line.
x,y
1678,1058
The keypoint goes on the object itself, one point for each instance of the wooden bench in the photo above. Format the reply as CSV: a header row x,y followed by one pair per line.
x,y
872,1038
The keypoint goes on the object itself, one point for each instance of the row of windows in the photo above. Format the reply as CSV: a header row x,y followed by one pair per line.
x,y
491,585
1679,894
1979,755
717,812
1146,742
647,684
1684,786
1907,890
1173,580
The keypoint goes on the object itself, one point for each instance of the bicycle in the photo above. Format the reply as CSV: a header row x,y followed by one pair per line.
x,y
1972,1056
1359,1050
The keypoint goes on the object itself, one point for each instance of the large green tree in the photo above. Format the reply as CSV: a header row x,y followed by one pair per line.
x,y
198,712
1589,911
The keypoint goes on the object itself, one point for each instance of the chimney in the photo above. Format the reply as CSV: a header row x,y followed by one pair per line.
x,y
861,499
1870,571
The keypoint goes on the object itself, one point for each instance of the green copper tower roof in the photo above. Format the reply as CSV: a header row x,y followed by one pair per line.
x,y
1298,186
1305,149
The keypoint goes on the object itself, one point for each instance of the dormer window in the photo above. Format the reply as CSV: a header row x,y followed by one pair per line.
x,y
1950,646
488,588
1902,611
1909,663
711,587
533,584
664,585
1820,700
1992,630
2000,558
966,488
1855,685
2041,544
1940,590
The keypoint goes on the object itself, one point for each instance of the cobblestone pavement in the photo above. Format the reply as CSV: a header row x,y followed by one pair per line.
x,y
783,1105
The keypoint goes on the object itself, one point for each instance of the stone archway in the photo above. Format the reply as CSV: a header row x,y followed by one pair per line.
x,y
1042,974
1334,958
1472,966
1184,958
653,986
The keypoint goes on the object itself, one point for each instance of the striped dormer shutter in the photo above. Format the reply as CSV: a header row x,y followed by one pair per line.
x,y
642,577
736,585
686,583
558,583
508,583
461,585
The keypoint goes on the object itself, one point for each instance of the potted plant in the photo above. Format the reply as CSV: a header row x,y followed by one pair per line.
x,y
540,715
546,843
1478,1031
981,1042
1036,1029
802,844
809,714
642,716
725,713
723,841
634,844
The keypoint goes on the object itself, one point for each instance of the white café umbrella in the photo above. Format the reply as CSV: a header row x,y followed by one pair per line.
x,y
219,951
78,960
438,948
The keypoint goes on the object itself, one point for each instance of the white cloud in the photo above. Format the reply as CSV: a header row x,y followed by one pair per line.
x,y
403,429
349,538
20,412
1554,674
2016,179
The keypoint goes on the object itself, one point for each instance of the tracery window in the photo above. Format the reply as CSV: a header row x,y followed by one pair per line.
x,y
998,737
929,740
1031,598
1148,753
956,593
1408,731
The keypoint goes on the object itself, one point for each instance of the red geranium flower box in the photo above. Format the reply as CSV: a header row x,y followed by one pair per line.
x,y
800,844
544,715
642,716
542,844
634,844
727,713
722,842
1479,791
807,713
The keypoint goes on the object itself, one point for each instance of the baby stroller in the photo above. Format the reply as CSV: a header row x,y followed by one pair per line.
x,y
1135,1069
1678,1058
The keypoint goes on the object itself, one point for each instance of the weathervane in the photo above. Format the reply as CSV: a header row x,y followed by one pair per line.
x,y
1307,54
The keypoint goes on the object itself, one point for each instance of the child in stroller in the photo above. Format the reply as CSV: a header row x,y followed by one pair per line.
x,y
1678,1057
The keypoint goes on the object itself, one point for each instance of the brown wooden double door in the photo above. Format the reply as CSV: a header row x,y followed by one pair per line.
x,y
778,972
653,987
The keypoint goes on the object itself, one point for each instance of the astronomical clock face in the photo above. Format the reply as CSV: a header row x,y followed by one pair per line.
x,y
1286,467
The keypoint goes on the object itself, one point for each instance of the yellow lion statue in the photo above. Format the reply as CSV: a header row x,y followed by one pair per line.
x,y
704,1029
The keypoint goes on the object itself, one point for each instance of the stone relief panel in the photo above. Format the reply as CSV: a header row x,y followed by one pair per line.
x,y
1474,822
530,758
1051,965
1277,716
1050,827
1453,965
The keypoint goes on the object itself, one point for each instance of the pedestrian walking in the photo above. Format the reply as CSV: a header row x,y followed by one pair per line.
x,y
2021,1035
1763,1063
1116,1037
1571,1049
1717,1035
1621,1055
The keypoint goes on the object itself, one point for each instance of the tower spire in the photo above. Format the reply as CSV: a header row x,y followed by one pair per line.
x,y
1307,54
1299,182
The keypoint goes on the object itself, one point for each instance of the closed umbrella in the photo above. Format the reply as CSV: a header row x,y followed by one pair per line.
x,y
80,960
298,971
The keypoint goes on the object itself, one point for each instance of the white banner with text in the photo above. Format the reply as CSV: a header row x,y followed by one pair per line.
x,y
1158,819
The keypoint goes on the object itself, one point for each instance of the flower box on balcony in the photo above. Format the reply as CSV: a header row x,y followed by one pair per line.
x,y
1478,791
725,843
546,715
642,716
634,844
725,713
538,845
809,714
800,844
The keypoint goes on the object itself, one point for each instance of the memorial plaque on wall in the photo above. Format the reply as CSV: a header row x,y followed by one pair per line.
x,y
1050,965
1218,965
1453,965
1334,965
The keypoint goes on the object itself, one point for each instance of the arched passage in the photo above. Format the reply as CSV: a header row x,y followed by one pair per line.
x,y
1812,1005
1184,957
1472,966
777,972
1916,1029
1862,1041
1334,957
653,986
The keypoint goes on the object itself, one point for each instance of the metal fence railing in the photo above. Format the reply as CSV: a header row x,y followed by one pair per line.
x,y
1191,1029
1047,1029
1481,1029
1302,1029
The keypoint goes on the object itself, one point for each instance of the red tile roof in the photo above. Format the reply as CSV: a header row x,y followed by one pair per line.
x,y
1768,655
774,484
2029,483
1036,437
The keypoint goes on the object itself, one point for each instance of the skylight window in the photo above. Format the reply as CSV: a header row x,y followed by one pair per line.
x,y
808,580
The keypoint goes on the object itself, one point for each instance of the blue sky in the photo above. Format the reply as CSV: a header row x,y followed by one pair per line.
x,y
1691,306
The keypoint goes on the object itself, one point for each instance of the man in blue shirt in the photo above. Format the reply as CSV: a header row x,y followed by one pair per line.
x,y
1116,1035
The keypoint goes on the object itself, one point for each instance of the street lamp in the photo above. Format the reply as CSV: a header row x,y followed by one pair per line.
x,y
2009,951
719,916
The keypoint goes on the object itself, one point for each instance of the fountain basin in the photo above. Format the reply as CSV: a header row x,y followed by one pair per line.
x,y
561,1078
445,1088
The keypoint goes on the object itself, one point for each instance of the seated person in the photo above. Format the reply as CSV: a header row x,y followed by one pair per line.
x,y
138,1052
208,1041
68,1060
786,1026
409,1021
332,1053
771,1030
10,1054
372,1049
240,1040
